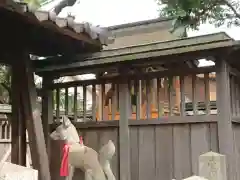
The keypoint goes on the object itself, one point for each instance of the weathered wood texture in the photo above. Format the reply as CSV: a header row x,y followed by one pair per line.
x,y
5,143
155,96
160,151
236,136
225,130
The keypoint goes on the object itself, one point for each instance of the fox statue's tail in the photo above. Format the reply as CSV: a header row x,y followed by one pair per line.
x,y
105,155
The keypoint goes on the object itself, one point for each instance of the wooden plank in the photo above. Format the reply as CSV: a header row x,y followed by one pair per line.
x,y
47,109
199,143
84,102
182,152
194,94
66,101
134,141
33,118
94,102
237,96
130,97
236,133
124,140
159,107
164,152
182,96
75,103
146,153
58,103
103,95
91,139
233,96
213,130
225,132
138,92
163,121
137,76
16,117
149,98
18,134
207,93
170,95
55,160
114,101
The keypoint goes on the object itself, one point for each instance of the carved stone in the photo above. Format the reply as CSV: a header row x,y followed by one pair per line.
x,y
212,166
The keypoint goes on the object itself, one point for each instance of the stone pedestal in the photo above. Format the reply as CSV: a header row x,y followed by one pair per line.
x,y
212,166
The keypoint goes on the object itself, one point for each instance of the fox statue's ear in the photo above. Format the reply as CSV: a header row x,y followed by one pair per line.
x,y
66,121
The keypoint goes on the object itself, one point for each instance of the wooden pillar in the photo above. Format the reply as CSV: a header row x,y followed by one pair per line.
x,y
33,118
225,132
124,140
47,109
18,123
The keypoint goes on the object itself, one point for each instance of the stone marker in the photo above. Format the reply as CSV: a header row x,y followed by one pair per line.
x,y
195,178
212,166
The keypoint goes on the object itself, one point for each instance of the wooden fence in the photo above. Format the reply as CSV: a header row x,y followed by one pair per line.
x,y
159,150
5,138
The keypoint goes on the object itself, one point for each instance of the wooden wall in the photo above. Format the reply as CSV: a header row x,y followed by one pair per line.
x,y
236,137
158,151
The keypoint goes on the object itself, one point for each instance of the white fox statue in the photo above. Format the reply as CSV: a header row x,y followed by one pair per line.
x,y
96,166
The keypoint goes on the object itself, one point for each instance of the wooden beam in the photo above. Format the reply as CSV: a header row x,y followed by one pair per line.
x,y
82,66
134,76
189,48
124,139
18,133
225,130
33,119
47,109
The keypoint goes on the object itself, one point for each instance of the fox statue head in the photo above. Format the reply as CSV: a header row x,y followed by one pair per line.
x,y
66,131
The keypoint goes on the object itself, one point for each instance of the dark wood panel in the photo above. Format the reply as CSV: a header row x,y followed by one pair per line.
x,y
134,152
199,143
161,121
236,133
164,152
91,139
146,153
55,160
214,145
182,156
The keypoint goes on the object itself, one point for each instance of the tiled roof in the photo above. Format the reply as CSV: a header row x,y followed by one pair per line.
x,y
50,11
48,34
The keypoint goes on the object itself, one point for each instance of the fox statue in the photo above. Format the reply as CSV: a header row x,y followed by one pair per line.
x,y
96,166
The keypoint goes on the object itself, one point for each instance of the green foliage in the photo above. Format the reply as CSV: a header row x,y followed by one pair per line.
x,y
5,84
5,73
191,13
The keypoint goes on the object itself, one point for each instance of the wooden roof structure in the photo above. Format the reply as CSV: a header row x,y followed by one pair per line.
x,y
158,53
44,34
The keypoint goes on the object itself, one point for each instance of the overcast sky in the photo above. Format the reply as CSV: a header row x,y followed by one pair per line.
x,y
113,12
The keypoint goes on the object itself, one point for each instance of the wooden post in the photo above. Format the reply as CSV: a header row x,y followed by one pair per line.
x,y
225,132
47,109
124,141
33,118
18,133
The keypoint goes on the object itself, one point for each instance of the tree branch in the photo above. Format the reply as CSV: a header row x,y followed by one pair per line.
x,y
6,87
228,4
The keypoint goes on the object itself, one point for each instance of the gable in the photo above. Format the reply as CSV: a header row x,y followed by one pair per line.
x,y
142,32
